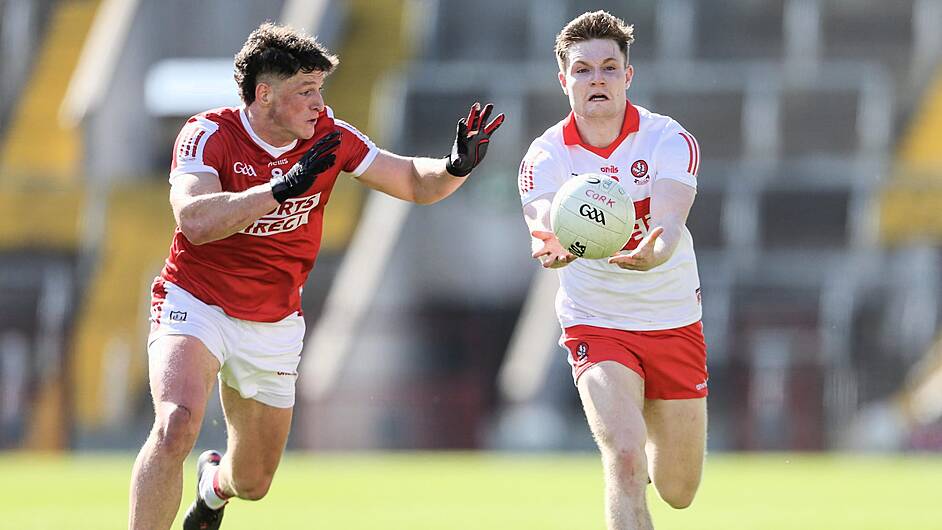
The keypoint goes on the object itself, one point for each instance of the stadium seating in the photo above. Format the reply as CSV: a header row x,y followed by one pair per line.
x,y
796,104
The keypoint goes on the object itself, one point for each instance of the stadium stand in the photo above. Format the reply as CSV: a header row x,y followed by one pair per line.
x,y
816,219
796,104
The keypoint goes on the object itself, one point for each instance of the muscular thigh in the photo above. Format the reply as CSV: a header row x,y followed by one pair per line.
x,y
676,438
257,432
182,373
612,398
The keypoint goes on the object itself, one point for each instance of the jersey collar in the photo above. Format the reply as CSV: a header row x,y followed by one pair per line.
x,y
629,125
275,152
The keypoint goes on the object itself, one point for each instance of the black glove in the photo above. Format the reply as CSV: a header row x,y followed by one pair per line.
x,y
471,140
301,176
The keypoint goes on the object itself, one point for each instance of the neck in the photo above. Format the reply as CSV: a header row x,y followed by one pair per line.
x,y
600,132
264,126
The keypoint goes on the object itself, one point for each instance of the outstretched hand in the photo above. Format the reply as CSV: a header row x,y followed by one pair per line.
x,y
301,176
471,140
641,258
552,255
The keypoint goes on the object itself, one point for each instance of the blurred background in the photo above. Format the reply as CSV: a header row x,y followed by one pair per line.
x,y
817,221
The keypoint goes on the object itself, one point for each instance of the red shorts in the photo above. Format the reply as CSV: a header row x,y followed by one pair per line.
x,y
672,362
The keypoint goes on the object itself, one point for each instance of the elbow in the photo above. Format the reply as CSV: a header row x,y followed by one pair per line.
x,y
194,231
423,196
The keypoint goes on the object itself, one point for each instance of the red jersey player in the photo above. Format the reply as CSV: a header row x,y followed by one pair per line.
x,y
631,323
248,190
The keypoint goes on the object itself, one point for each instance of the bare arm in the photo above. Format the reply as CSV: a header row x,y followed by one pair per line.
x,y
544,244
414,179
427,180
670,205
205,213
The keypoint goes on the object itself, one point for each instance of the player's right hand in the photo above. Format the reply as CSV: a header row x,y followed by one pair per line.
x,y
552,255
471,139
301,176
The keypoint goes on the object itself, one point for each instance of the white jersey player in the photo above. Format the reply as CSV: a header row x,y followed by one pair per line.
x,y
631,323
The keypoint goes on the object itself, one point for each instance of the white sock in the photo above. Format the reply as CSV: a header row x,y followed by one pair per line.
x,y
208,489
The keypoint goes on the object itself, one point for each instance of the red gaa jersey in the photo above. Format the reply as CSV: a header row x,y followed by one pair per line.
x,y
257,273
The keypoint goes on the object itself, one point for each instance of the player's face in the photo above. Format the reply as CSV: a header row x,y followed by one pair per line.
x,y
298,103
596,79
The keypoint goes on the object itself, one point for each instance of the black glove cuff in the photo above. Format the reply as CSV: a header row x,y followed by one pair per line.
x,y
279,189
454,171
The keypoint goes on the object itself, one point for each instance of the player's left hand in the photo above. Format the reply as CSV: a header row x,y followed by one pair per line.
x,y
641,258
471,140
552,255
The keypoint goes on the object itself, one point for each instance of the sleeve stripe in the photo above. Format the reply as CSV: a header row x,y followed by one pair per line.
x,y
694,150
193,138
525,178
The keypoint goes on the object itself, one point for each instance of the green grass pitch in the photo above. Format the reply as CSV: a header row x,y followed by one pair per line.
x,y
465,491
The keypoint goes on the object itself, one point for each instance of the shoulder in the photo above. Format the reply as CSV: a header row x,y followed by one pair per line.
x,y
223,118
348,129
661,124
200,127
356,150
668,131
675,149
199,147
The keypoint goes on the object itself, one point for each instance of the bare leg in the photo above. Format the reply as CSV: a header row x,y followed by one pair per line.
x,y
257,437
182,373
612,396
677,443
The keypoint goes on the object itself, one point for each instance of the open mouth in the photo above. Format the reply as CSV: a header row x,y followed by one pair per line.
x,y
598,97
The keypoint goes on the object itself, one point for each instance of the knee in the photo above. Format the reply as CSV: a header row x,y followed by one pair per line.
x,y
678,495
627,463
175,432
252,485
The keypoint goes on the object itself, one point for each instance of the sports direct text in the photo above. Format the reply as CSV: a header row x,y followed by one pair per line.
x,y
290,215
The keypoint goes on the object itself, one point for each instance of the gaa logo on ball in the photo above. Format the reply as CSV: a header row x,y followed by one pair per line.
x,y
592,216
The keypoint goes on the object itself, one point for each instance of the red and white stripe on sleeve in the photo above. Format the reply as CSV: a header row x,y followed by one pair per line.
x,y
189,151
693,148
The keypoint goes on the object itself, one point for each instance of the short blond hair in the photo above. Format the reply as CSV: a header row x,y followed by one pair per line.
x,y
593,25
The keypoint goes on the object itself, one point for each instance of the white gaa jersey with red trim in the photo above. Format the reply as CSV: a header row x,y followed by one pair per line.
x,y
257,273
593,292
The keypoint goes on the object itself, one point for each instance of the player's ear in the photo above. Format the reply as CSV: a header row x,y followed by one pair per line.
x,y
629,73
562,82
263,93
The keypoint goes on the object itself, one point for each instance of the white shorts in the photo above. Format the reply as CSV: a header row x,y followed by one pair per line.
x,y
258,359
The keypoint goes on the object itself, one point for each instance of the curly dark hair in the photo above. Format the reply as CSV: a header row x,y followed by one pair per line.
x,y
593,25
281,51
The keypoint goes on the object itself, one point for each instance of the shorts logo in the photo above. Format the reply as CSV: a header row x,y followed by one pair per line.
x,y
290,374
177,316
640,172
582,350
